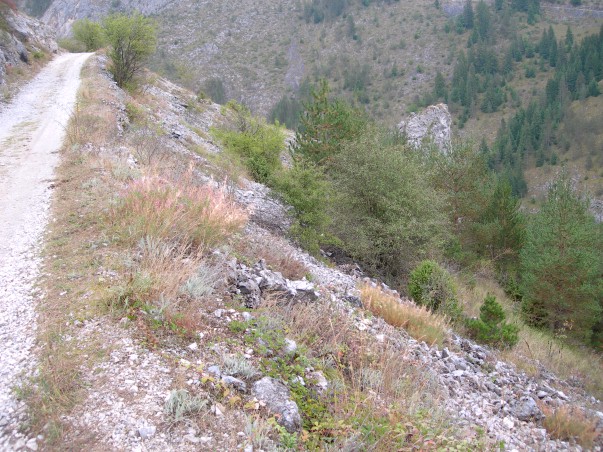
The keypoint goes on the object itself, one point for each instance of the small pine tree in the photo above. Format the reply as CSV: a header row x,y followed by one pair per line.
x,y
325,125
468,15
491,327
440,91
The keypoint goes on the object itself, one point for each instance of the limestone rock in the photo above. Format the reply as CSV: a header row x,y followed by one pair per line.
x,y
239,385
254,282
433,123
147,432
527,410
278,401
20,31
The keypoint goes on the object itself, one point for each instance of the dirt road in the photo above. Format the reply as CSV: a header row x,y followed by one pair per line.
x,y
32,129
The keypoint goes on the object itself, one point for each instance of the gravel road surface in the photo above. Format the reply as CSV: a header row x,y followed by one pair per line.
x,y
32,130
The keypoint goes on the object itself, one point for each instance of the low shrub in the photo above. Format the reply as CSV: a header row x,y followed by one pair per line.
x,y
181,404
491,327
431,286
198,216
238,366
417,320
257,143
307,190
203,282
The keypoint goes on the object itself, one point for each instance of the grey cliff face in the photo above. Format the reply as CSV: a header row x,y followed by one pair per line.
x,y
62,13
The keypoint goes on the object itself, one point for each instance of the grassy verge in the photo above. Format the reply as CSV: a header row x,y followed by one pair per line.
x,y
74,256
124,241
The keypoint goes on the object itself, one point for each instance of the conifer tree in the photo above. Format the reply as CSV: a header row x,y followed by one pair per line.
x,y
561,264
468,14
440,91
325,124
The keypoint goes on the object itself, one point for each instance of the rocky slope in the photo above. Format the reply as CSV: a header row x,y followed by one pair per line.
x,y
61,13
22,40
131,385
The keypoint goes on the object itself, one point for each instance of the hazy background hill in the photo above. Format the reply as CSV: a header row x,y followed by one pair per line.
x,y
382,55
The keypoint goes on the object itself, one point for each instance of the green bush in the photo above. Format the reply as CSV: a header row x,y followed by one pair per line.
x,y
307,190
133,39
491,327
387,213
258,144
430,285
89,33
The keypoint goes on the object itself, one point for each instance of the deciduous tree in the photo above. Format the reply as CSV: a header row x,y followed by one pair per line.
x,y
133,39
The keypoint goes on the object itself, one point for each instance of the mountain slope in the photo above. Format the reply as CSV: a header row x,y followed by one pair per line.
x,y
384,55
156,360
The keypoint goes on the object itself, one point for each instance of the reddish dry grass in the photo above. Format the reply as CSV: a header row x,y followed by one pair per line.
x,y
199,216
567,422
418,321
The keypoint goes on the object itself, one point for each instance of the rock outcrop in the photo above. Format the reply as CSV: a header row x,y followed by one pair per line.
x,y
257,281
432,124
21,35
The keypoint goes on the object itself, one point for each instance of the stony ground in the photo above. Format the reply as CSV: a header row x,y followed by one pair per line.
x,y
130,388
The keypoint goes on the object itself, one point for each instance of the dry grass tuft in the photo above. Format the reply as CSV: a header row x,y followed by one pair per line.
x,y
180,211
276,258
161,269
378,390
417,320
567,422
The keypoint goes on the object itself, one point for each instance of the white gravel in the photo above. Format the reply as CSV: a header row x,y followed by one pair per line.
x,y
32,129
